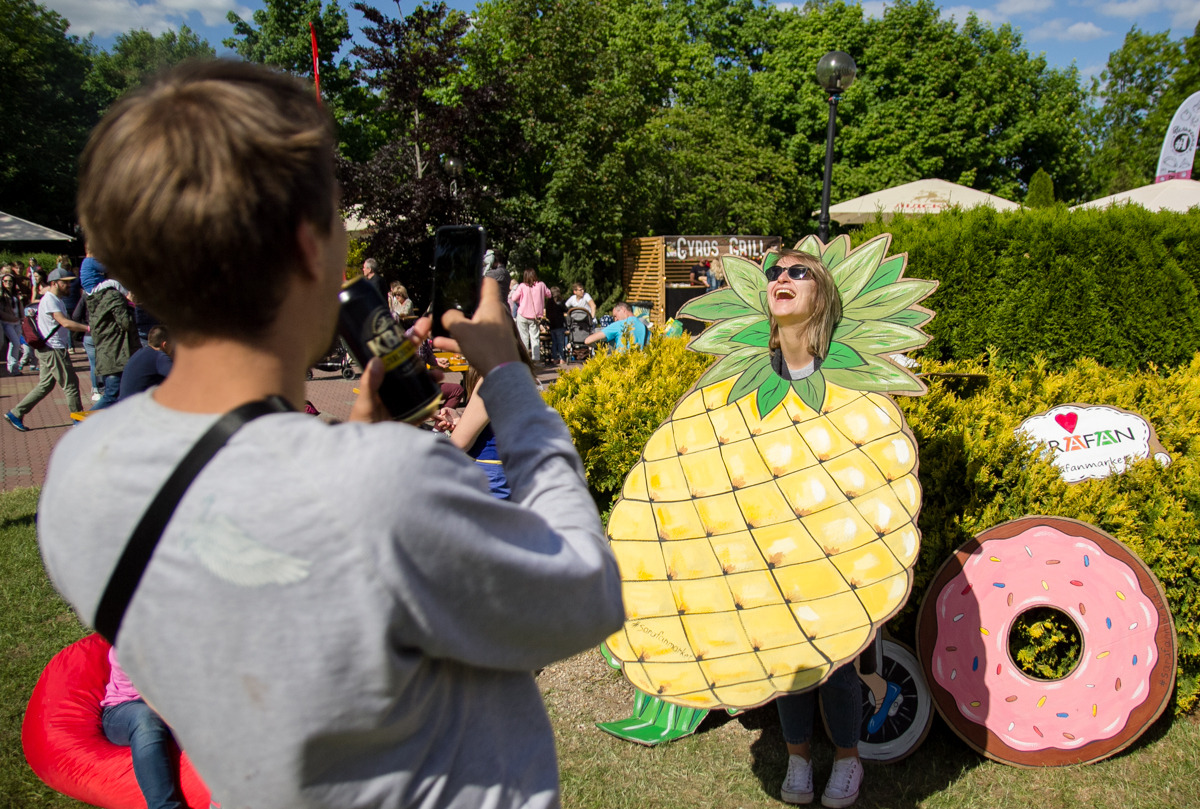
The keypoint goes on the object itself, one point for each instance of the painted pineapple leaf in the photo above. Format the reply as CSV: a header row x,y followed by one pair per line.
x,y
810,245
746,278
835,253
914,316
719,305
890,299
731,365
881,337
879,376
845,326
771,393
757,334
755,375
858,268
889,272
811,390
842,356
718,338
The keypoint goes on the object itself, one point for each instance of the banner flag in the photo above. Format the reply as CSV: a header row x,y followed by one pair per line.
x,y
317,70
1179,146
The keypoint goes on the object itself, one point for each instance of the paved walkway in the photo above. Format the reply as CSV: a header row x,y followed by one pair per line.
x,y
23,456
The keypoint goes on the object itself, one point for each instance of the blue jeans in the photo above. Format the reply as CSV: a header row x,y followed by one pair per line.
x,y
841,696
558,338
136,726
89,348
112,392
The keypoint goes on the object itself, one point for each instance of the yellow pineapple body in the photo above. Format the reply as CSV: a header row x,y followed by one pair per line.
x,y
760,553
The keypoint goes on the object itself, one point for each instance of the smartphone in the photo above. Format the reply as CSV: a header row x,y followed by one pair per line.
x,y
457,271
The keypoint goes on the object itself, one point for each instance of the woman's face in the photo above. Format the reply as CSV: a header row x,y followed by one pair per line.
x,y
791,300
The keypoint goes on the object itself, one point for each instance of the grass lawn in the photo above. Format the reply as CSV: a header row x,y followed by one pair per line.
x,y
730,762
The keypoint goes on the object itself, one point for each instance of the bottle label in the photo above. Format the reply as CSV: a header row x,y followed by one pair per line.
x,y
385,340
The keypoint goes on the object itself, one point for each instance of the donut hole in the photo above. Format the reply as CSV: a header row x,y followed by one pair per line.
x,y
1044,643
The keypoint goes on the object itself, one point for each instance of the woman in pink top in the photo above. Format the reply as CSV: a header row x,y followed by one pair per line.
x,y
530,297
129,722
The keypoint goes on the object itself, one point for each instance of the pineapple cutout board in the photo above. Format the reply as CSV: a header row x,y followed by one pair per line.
x,y
770,526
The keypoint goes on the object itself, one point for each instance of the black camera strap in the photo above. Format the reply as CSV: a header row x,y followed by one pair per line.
x,y
136,556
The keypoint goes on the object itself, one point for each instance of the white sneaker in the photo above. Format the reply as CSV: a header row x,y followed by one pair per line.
x,y
844,783
97,396
798,783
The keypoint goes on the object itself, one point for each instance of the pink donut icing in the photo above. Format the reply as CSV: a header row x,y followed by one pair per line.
x,y
1045,567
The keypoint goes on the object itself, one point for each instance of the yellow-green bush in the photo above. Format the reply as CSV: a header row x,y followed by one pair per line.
x,y
613,403
974,472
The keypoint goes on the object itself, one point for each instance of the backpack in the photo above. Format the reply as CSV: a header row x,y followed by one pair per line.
x,y
33,335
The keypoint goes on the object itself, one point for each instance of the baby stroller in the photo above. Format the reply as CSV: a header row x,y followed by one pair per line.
x,y
338,360
579,327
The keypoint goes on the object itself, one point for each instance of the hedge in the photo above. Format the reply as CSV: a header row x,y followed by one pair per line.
x,y
1118,285
973,471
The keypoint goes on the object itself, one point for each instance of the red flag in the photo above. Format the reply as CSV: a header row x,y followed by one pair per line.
x,y
316,68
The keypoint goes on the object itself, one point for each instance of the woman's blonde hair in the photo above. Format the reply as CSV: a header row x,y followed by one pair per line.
x,y
818,329
398,288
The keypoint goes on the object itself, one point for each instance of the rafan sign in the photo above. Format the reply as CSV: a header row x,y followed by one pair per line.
x,y
1092,441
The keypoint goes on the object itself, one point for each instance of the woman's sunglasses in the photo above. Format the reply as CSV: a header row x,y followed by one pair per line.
x,y
798,272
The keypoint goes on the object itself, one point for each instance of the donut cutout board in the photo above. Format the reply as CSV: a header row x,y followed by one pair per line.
x,y
1126,667
1092,441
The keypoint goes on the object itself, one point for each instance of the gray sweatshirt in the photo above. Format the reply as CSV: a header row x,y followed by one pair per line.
x,y
343,616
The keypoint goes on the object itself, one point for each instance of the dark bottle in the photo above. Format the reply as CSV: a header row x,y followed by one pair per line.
x,y
408,391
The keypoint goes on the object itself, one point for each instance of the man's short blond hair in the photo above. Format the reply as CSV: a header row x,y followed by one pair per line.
x,y
192,190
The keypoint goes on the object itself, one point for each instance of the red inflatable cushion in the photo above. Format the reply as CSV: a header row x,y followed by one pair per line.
x,y
64,741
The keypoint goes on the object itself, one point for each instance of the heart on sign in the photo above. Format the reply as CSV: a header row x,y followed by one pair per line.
x,y
1067,421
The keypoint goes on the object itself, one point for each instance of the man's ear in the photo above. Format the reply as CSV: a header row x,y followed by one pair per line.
x,y
308,244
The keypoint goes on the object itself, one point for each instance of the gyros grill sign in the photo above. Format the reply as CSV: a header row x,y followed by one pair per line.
x,y
685,248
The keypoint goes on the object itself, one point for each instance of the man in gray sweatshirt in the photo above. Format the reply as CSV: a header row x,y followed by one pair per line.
x,y
335,616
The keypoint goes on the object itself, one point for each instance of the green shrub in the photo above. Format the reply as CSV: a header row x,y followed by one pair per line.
x,y
1117,285
1041,190
975,474
615,401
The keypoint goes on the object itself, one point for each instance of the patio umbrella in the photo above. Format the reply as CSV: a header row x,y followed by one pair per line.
x,y
920,197
1169,195
16,229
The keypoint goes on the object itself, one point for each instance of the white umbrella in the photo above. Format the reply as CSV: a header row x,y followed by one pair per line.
x,y
16,229
921,197
1169,195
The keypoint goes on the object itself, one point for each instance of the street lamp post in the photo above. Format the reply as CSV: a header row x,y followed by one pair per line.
x,y
835,73
454,170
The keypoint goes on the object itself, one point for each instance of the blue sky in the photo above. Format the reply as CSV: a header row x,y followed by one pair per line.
x,y
1079,31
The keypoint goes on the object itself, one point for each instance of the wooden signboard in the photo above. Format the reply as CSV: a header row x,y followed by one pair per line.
x,y
653,264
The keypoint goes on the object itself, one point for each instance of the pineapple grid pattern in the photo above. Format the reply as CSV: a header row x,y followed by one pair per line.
x,y
769,526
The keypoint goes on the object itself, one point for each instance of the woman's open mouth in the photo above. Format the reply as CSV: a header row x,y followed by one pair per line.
x,y
784,293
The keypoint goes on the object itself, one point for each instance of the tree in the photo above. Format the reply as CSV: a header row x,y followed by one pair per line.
x,y
45,112
408,186
1126,131
137,55
1041,191
279,35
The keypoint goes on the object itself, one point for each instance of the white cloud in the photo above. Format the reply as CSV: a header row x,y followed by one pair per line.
x,y
1064,30
873,8
1129,9
108,17
1009,8
960,14
786,6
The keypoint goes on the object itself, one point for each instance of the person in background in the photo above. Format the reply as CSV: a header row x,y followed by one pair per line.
x,y
399,303
530,297
625,332
699,274
556,317
370,271
150,364
114,330
91,273
129,722
498,272
580,298
55,361
10,319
